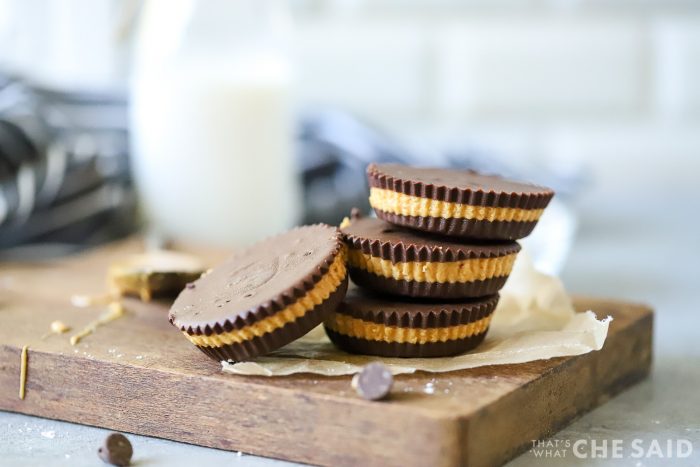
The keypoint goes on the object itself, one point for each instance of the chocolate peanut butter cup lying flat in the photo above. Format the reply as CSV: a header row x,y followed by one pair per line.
x,y
266,296
368,324
390,259
458,203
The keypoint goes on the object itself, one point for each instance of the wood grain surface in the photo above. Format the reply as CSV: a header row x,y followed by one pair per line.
x,y
139,375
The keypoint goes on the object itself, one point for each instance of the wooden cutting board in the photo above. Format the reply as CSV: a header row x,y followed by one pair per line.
x,y
139,375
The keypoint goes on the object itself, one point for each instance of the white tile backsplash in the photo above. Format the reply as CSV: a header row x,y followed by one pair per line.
x,y
614,94
676,70
372,68
539,68
472,65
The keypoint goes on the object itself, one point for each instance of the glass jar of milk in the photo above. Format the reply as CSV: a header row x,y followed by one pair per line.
x,y
211,120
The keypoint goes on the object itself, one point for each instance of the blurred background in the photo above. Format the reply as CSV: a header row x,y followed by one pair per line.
x,y
219,122
221,113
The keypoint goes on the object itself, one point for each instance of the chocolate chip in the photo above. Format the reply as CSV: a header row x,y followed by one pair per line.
x,y
116,450
190,285
373,382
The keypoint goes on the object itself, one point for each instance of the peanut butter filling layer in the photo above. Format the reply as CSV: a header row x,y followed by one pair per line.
x,y
360,329
319,293
469,270
23,372
415,206
115,311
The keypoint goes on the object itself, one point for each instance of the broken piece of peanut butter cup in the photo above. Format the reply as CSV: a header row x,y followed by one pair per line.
x,y
154,274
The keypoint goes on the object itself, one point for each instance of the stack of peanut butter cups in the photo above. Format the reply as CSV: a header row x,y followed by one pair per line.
x,y
429,268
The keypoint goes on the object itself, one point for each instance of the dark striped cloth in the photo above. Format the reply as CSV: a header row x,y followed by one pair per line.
x,y
64,171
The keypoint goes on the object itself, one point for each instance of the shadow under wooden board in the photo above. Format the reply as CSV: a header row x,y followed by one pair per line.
x,y
139,375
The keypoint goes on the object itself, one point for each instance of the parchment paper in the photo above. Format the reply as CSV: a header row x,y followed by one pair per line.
x,y
534,320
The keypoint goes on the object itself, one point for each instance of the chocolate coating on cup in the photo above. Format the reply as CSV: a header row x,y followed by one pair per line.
x,y
388,322
458,186
380,240
398,245
262,345
258,283
416,314
463,187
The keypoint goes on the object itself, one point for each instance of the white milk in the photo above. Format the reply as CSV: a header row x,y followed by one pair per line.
x,y
212,138
213,154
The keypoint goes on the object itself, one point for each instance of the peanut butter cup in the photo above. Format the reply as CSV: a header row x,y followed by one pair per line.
x,y
365,323
398,261
155,274
266,296
458,203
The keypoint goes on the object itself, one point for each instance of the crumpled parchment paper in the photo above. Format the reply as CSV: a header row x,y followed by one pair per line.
x,y
534,320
